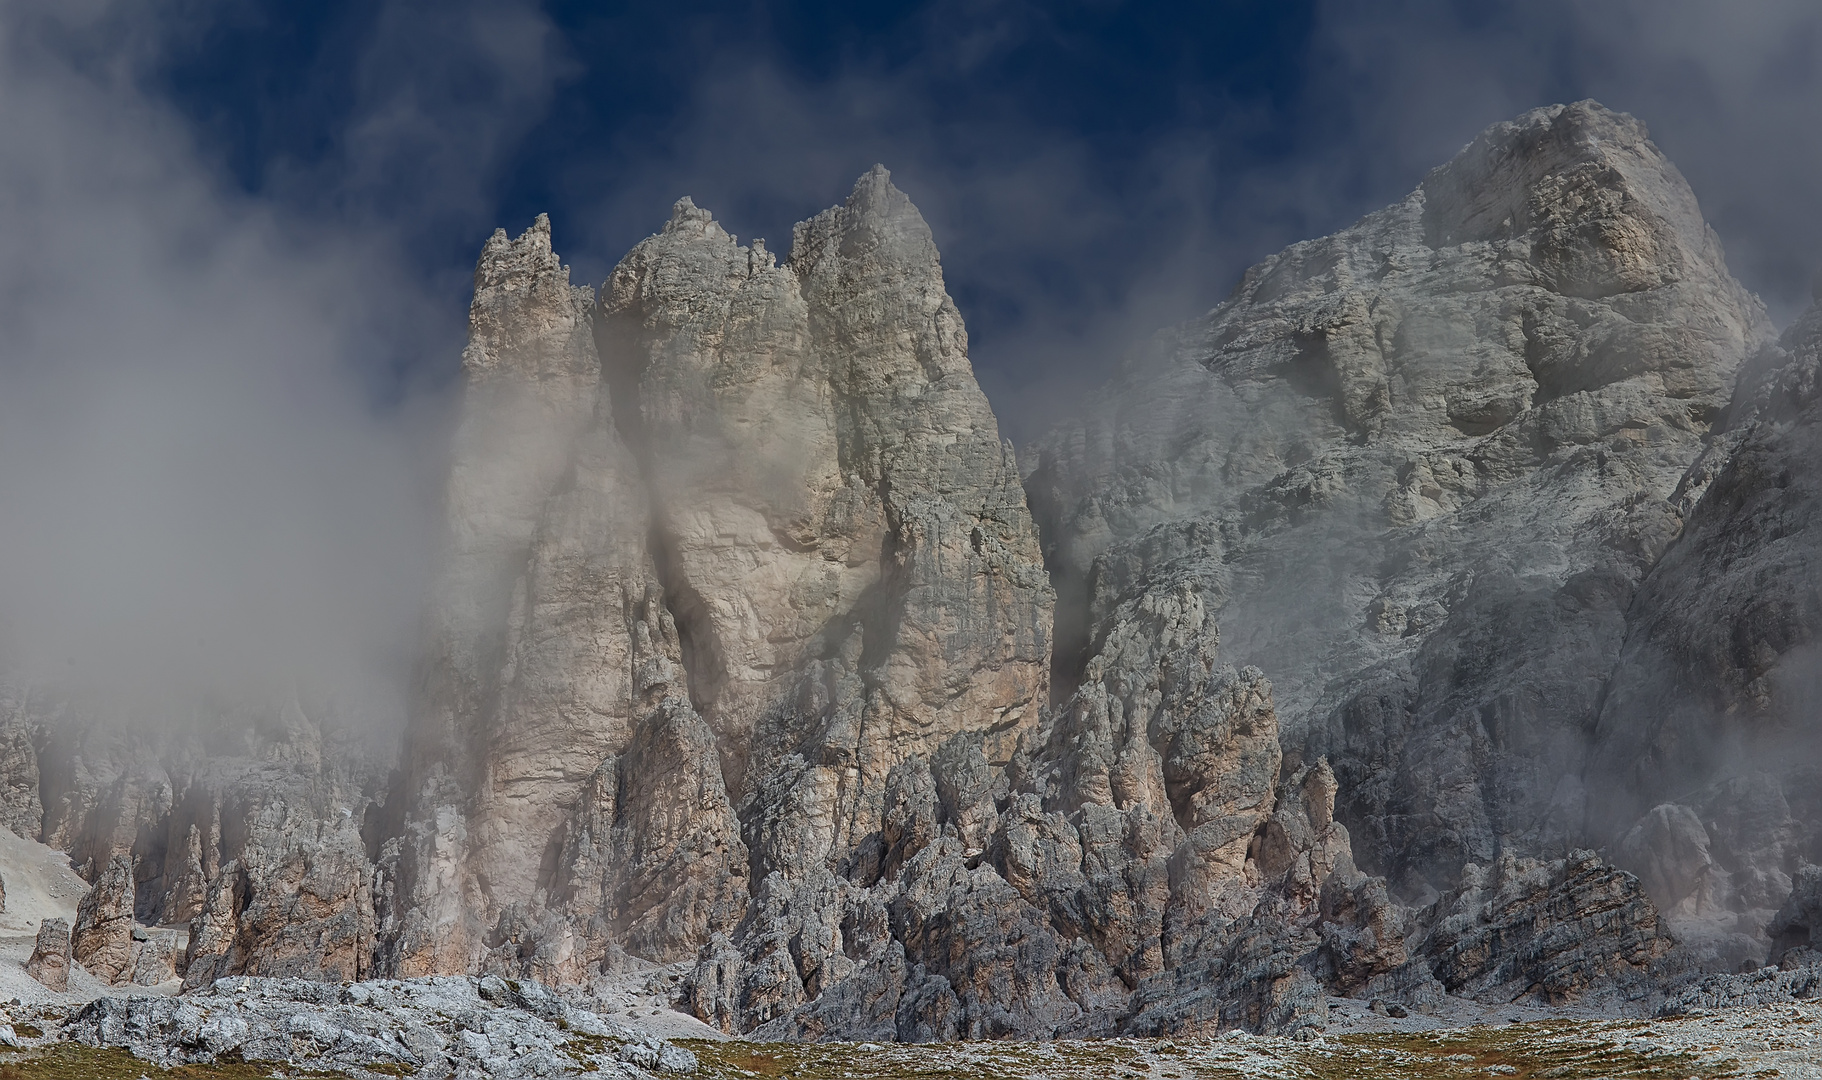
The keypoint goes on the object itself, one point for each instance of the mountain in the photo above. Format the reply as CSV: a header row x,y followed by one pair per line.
x,y
1434,616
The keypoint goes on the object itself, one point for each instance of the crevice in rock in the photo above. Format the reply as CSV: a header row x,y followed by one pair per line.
x,y
1069,629
622,366
701,656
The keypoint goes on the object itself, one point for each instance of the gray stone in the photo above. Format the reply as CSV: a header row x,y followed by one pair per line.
x,y
102,941
1798,923
1713,700
434,1028
1445,545
50,959
1574,930
1421,467
155,958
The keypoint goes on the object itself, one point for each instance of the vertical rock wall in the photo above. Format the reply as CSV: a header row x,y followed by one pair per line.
x,y
744,651
722,553
1422,467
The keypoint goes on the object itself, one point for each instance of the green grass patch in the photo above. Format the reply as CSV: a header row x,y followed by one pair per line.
x,y
1551,1050
71,1061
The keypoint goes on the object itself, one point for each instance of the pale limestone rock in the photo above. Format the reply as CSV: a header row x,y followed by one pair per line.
x,y
529,682
763,549
50,959
532,676
154,957
21,803
1713,701
741,648
1422,466
102,941
854,573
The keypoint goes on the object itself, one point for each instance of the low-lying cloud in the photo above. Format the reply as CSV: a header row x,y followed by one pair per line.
x,y
222,405
210,484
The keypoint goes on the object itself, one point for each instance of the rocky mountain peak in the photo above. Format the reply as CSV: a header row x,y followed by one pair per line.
x,y
777,548
1400,446
1448,545
525,313
1597,204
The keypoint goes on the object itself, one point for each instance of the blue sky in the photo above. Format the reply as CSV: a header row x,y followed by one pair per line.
x,y
239,233
1093,170
1057,149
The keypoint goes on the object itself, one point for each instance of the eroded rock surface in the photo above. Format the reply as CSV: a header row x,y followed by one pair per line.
x,y
744,654
1425,464
102,941
766,546
50,959
439,1028
1711,717
1568,930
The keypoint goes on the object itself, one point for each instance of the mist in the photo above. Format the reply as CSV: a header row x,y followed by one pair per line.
x,y
229,349
205,493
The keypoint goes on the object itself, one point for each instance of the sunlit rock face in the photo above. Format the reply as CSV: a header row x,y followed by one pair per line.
x,y
742,654
724,550
1442,548
1419,470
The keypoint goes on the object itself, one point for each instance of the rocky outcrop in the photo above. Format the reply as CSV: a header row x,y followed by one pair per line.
x,y
102,941
1762,986
744,656
1424,465
544,594
22,717
154,957
50,959
436,1028
744,653
765,545
1709,718
1567,930
252,835
1796,929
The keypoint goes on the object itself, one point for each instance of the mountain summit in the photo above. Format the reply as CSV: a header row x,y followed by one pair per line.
x,y
1320,655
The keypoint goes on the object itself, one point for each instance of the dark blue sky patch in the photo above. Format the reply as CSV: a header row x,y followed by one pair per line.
x,y
1092,171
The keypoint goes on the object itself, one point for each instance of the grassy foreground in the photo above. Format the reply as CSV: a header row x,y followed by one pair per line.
x,y
1554,1049
70,1061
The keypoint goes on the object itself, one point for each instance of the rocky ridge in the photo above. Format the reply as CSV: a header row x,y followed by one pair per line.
x,y
437,1028
1423,466
746,658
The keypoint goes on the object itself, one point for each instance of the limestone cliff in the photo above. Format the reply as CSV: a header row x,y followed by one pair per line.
x,y
1443,547
1420,469
1709,726
723,552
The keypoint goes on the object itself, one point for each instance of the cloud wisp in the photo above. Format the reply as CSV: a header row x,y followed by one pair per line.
x,y
210,487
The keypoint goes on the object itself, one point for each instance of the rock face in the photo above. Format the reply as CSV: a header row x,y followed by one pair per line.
x,y
50,959
1422,467
1570,930
1373,588
255,840
1796,929
743,655
723,554
1710,724
438,1028
103,939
